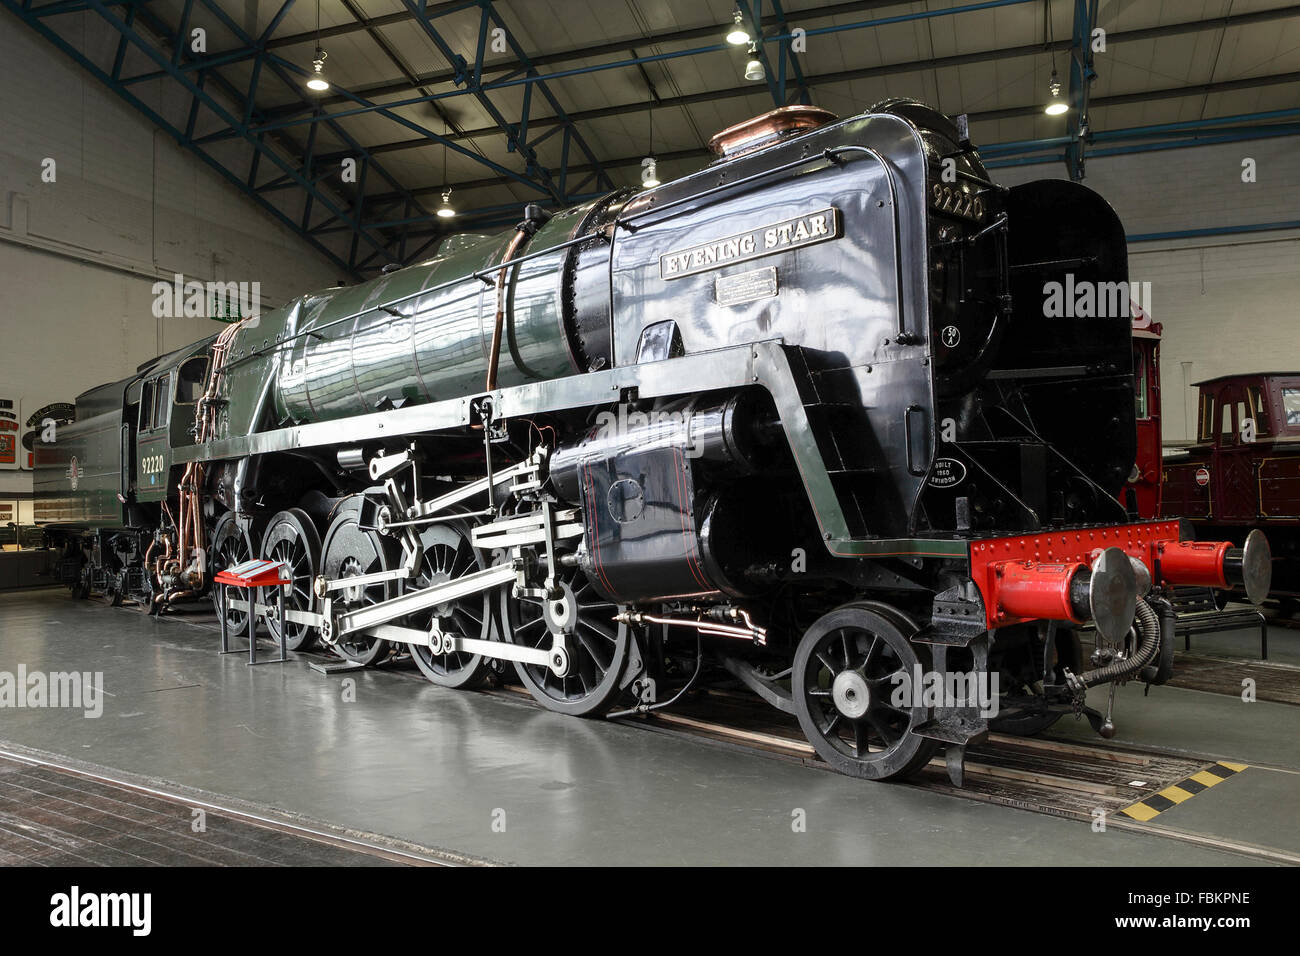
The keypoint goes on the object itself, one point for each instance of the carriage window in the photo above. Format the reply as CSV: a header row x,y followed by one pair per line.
x,y
1140,390
1257,410
1227,435
1291,405
189,384
1207,418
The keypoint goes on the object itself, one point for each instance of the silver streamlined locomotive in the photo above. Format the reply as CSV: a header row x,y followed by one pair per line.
x,y
797,421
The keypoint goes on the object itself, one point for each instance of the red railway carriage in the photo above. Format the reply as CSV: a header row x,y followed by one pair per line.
x,y
1243,471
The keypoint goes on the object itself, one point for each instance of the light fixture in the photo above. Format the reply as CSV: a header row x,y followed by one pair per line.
x,y
318,81
649,173
738,36
649,167
1056,105
754,68
445,208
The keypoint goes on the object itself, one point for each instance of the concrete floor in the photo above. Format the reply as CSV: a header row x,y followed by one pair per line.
x,y
440,768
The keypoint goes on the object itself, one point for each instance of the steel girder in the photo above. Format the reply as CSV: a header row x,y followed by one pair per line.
x,y
1032,49
237,110
470,79
397,214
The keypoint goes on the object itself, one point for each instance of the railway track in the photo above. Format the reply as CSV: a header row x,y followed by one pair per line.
x,y
57,810
1066,778
1046,774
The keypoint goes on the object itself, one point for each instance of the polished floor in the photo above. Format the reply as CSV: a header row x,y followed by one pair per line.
x,y
498,779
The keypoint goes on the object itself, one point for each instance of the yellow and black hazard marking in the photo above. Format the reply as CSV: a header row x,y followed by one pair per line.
x,y
1156,804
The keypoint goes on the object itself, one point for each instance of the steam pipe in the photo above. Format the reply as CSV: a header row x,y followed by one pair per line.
x,y
494,355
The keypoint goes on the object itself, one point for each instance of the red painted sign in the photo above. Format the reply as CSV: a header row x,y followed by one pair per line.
x,y
1202,476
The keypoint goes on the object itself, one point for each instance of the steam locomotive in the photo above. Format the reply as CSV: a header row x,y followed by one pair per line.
x,y
798,422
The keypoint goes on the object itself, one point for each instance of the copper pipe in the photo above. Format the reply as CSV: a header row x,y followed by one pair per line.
x,y
190,532
148,553
494,355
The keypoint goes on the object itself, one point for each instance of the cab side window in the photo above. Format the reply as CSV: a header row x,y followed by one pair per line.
x,y
146,406
161,391
1206,431
1227,430
192,376
1291,406
1258,410
153,402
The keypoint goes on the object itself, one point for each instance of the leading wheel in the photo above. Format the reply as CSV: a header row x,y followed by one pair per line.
x,y
449,554
291,539
844,682
597,645
351,551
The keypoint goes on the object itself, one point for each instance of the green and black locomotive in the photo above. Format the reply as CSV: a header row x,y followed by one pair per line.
x,y
799,421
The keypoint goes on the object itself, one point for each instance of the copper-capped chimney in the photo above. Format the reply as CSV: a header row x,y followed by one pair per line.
x,y
768,128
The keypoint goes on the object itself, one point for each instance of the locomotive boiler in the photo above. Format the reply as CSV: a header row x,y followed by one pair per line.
x,y
798,422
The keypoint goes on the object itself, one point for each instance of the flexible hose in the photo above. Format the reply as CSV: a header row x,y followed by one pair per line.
x,y
648,708
1148,631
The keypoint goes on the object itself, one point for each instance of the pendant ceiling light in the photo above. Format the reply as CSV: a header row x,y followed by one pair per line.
x,y
445,209
317,82
738,35
649,167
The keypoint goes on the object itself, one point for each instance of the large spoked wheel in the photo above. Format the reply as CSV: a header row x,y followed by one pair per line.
x,y
292,540
349,552
449,554
597,646
230,546
843,686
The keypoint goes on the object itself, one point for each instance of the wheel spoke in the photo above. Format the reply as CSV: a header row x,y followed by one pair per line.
x,y
593,651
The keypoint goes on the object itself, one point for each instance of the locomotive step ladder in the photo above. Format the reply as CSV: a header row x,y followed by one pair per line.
x,y
249,576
